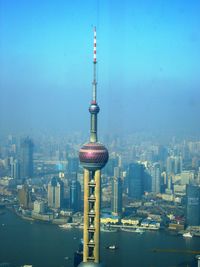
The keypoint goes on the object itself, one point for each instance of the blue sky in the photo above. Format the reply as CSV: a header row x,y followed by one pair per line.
x,y
148,55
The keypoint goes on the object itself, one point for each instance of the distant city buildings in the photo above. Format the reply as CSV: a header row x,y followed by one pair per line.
x,y
187,177
75,194
144,172
26,153
25,197
174,165
55,193
39,206
136,176
73,165
155,178
116,198
192,205
15,169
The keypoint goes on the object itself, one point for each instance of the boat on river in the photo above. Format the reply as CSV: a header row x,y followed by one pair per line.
x,y
187,235
112,247
65,226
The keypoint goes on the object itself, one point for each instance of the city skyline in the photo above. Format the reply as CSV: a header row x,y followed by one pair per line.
x,y
159,193
149,65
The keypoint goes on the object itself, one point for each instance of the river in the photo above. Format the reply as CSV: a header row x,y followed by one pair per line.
x,y
46,245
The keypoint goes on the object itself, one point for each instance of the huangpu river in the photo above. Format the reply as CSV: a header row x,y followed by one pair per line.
x,y
46,245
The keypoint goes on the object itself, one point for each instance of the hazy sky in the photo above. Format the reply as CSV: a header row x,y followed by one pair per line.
x,y
148,55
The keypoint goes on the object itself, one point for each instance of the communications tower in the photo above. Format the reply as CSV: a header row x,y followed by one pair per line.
x,y
93,157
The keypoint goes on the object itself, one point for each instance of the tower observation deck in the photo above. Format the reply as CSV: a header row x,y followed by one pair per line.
x,y
93,157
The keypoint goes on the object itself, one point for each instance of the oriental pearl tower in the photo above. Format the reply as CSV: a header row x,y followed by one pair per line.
x,y
93,157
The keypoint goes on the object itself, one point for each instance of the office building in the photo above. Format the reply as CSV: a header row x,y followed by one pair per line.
x,y
25,197
15,169
75,195
136,176
155,178
73,164
116,198
187,177
39,206
192,205
55,193
174,165
26,153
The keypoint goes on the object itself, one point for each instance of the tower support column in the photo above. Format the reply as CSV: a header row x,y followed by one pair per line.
x,y
97,213
86,212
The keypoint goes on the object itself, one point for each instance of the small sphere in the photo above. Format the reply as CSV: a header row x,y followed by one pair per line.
x,y
93,156
94,108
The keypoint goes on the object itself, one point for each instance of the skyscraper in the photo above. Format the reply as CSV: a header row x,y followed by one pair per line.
x,y
136,180
75,195
25,197
93,157
26,152
15,169
72,165
55,193
116,199
192,205
155,177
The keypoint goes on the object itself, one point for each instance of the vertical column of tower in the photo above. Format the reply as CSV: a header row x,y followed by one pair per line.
x,y
91,215
97,214
86,217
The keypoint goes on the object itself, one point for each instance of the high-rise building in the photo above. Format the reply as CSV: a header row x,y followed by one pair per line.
x,y
136,176
169,188
192,205
187,177
174,165
72,165
15,169
112,163
25,197
155,178
116,198
55,193
26,152
93,157
75,195
38,206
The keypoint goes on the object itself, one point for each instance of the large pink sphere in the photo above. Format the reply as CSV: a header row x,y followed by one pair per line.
x,y
93,156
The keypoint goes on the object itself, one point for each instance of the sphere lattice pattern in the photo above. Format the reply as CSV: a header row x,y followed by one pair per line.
x,y
93,156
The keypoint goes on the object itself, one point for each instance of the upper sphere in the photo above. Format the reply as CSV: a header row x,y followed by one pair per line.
x,y
94,108
93,156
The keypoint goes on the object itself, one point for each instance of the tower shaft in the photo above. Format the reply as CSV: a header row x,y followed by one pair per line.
x,y
91,231
93,128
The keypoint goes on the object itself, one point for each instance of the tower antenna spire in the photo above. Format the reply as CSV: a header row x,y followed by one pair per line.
x,y
94,108
94,89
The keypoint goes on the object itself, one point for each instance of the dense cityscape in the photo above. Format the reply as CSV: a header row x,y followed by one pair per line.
x,y
145,185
